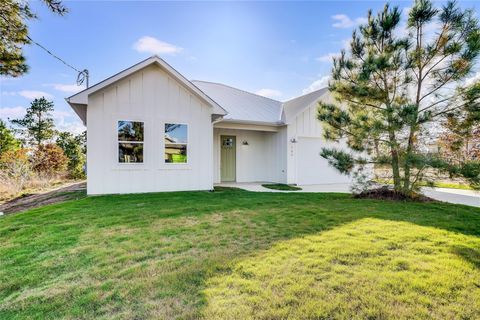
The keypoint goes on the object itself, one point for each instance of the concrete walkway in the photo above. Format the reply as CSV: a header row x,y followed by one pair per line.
x,y
466,197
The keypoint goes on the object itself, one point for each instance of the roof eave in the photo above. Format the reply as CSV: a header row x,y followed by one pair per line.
x,y
82,96
263,123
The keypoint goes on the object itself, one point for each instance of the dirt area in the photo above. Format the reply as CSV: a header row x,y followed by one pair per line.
x,y
386,193
29,201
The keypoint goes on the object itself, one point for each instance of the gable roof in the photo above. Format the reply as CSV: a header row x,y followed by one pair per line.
x,y
294,106
231,103
245,106
79,100
242,105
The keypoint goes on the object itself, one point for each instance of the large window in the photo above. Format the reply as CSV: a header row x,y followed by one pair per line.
x,y
176,140
130,141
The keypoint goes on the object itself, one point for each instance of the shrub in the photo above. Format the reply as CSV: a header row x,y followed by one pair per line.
x,y
73,147
49,160
15,170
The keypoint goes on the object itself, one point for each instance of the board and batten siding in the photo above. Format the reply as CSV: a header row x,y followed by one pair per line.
x,y
155,98
304,163
260,161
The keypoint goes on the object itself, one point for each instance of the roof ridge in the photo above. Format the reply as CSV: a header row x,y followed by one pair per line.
x,y
304,95
245,91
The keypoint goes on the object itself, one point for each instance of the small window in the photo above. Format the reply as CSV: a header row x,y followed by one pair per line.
x,y
176,140
228,143
130,141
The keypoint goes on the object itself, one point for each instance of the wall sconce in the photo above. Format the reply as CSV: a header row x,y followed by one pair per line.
x,y
245,143
293,140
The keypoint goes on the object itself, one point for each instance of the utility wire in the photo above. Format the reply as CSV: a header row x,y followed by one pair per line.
x,y
82,75
53,55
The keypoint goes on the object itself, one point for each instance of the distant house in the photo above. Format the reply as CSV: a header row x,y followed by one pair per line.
x,y
150,129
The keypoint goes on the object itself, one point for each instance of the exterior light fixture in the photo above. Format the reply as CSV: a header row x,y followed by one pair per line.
x,y
293,140
245,143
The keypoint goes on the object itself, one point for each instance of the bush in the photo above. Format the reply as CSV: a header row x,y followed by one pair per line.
x,y
74,147
49,160
15,171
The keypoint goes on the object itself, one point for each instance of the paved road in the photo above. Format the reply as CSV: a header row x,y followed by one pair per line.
x,y
467,197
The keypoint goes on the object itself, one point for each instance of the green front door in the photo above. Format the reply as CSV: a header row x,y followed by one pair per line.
x,y
228,155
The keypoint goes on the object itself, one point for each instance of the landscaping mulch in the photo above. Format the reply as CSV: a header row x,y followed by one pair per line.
x,y
386,193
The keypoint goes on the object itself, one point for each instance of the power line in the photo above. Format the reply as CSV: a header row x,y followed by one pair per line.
x,y
82,75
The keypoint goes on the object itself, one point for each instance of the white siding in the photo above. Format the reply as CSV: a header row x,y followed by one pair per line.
x,y
304,163
261,160
151,96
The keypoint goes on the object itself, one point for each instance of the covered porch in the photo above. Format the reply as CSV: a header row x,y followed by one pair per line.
x,y
249,153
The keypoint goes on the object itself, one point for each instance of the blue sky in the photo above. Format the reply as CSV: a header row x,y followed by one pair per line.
x,y
277,49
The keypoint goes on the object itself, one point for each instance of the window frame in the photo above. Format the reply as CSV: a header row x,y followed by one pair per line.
x,y
169,164
132,142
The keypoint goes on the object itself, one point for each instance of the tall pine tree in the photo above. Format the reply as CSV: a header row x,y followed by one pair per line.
x,y
37,125
394,85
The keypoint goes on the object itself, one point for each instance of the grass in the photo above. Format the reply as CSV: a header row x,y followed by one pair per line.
x,y
281,186
449,185
452,185
234,254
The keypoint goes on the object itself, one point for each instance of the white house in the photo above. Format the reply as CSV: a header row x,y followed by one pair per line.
x,y
150,129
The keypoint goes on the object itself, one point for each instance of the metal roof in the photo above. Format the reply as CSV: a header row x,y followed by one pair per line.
x,y
231,103
242,105
245,106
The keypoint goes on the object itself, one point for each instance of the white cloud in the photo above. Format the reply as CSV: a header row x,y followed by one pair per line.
x,y
9,93
317,84
68,88
154,46
12,112
75,127
328,57
343,21
33,94
269,93
67,121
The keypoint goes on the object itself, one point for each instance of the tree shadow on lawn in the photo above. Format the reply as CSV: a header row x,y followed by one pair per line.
x,y
152,255
469,254
366,269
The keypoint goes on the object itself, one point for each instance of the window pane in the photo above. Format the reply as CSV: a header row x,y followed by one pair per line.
x,y
130,131
175,153
175,133
130,152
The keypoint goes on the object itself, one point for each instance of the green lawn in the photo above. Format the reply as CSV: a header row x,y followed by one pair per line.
x,y
451,185
238,255
281,186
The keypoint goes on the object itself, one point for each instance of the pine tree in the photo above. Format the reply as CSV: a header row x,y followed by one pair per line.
x,y
392,87
14,15
8,142
37,124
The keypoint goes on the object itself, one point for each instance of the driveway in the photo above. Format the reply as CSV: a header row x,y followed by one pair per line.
x,y
466,197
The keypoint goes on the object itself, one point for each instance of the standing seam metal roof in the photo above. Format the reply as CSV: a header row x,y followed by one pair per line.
x,y
240,104
246,106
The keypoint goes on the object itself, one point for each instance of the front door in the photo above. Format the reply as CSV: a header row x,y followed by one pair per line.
x,y
228,158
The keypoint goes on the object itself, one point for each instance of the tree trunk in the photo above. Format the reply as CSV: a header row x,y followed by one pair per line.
x,y
407,166
397,183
